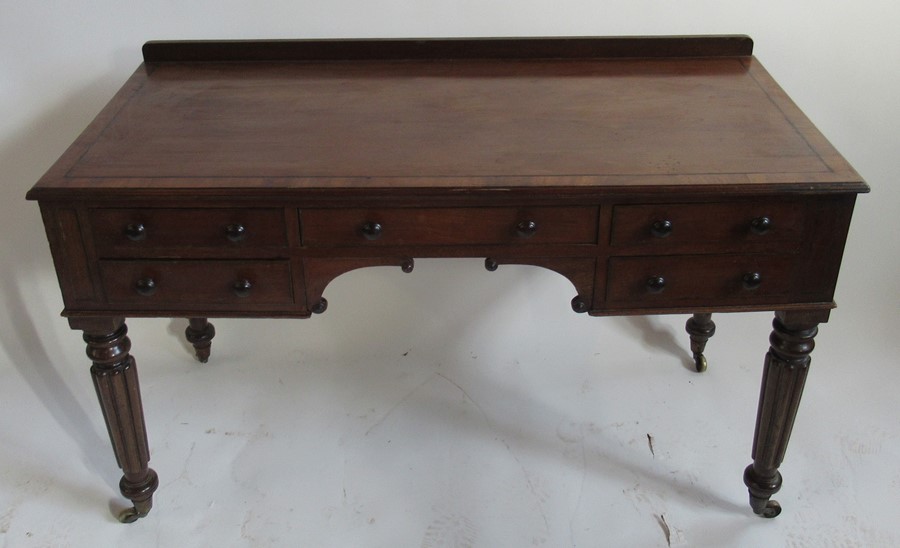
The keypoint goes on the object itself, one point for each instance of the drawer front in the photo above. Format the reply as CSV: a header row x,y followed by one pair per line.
x,y
136,229
700,280
449,226
662,226
167,284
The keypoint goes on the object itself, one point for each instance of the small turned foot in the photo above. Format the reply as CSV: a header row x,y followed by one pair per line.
x,y
700,327
200,334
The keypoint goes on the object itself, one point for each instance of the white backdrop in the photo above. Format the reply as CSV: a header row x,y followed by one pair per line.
x,y
60,62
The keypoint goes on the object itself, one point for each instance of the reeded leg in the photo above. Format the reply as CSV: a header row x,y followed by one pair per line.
x,y
115,378
200,333
700,327
784,374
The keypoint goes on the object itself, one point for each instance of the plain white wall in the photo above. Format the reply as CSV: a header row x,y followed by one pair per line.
x,y
61,61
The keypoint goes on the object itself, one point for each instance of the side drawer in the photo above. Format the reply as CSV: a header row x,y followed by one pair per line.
x,y
692,226
129,229
166,284
449,226
699,280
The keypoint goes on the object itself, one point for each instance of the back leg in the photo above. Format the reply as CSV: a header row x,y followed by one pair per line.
x,y
700,327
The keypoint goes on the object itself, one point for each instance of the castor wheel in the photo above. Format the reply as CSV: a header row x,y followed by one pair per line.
x,y
700,363
141,507
128,515
131,515
771,510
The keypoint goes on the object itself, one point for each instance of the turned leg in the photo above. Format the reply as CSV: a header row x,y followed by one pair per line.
x,y
784,374
115,378
200,333
700,327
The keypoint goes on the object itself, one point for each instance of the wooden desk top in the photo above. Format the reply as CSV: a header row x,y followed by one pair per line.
x,y
558,114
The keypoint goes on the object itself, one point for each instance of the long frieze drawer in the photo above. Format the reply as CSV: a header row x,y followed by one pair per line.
x,y
672,225
449,226
144,228
179,283
699,280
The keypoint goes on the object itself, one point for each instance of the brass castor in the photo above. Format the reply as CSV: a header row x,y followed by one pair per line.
x,y
130,515
770,510
136,512
700,363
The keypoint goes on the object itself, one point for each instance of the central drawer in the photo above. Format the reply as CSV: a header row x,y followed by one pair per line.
x,y
189,283
449,226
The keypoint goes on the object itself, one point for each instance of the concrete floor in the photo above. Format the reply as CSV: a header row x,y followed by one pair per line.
x,y
449,407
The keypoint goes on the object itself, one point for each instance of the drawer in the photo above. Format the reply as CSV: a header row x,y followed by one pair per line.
x,y
167,284
130,229
699,280
680,226
449,226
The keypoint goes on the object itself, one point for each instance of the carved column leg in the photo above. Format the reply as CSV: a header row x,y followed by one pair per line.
x,y
700,327
115,378
200,333
784,374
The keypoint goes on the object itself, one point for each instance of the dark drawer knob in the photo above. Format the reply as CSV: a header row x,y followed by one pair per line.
x,y
752,280
372,230
526,229
242,288
761,225
145,286
320,306
661,229
236,232
655,284
136,232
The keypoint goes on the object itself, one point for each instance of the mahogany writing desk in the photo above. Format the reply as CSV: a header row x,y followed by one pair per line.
x,y
658,175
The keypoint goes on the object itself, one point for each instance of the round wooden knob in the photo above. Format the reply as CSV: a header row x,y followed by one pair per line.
x,y
752,280
761,225
372,230
579,304
320,306
236,232
656,284
145,286
136,232
526,229
242,288
661,229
